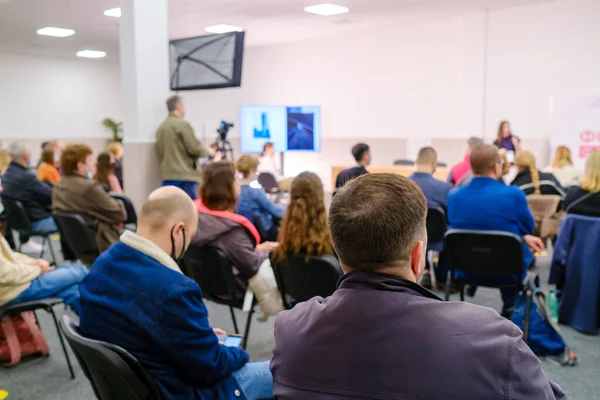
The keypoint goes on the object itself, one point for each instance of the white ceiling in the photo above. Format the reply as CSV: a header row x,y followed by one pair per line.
x,y
265,21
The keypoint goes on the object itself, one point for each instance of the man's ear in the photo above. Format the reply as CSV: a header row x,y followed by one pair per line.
x,y
417,259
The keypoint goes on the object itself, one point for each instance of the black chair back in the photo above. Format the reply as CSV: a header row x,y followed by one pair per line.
x,y
16,215
260,228
112,371
268,182
487,254
436,224
442,165
213,272
303,280
129,208
76,233
404,162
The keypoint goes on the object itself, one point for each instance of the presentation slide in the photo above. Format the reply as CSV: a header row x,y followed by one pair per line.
x,y
288,128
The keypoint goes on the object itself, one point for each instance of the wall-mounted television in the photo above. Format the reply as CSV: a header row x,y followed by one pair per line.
x,y
289,128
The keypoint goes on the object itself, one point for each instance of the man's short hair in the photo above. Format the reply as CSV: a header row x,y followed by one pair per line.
x,y
172,103
483,158
72,155
359,150
427,155
157,213
474,141
17,149
375,219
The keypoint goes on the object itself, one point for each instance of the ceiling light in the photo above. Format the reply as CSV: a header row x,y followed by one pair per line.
x,y
326,9
91,54
113,12
223,28
56,32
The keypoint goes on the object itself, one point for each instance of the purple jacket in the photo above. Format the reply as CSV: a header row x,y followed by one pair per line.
x,y
382,337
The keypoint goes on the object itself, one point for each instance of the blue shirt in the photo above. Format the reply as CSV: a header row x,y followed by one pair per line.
x,y
157,314
257,201
435,191
488,205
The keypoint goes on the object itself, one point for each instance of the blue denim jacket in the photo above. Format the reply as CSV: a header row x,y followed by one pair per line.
x,y
157,314
257,201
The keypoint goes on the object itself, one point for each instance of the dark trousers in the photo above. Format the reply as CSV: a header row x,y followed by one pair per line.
x,y
191,188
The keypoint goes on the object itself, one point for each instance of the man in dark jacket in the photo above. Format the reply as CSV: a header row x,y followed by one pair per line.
x,y
136,297
381,335
362,155
20,184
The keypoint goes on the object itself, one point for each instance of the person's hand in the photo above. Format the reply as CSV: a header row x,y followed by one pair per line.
x,y
219,331
218,156
534,243
267,246
43,264
514,140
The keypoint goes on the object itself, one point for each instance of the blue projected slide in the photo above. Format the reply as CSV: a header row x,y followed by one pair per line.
x,y
288,128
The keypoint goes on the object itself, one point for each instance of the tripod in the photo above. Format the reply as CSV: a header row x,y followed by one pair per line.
x,y
224,146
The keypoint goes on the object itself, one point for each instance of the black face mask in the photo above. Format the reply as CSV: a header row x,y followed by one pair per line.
x,y
182,253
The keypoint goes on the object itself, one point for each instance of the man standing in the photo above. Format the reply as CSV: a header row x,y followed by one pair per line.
x,y
362,156
136,297
381,335
178,149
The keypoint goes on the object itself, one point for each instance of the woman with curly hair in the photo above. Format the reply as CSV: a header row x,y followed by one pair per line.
x,y
304,226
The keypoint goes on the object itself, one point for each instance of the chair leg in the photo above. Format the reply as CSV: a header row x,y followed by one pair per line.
x,y
462,293
43,247
52,251
447,287
247,330
235,325
62,342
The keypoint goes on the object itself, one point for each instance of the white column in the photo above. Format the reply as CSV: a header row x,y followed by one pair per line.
x,y
144,56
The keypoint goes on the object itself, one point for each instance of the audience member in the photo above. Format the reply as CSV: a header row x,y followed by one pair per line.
x,y
374,337
460,170
178,150
507,141
562,168
25,279
20,184
137,298
105,173
270,163
116,150
47,170
256,200
585,198
531,181
4,162
505,170
235,236
77,193
435,191
486,204
362,155
304,226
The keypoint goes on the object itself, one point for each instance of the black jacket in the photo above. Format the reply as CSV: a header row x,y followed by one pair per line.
x,y
589,206
20,184
349,174
548,183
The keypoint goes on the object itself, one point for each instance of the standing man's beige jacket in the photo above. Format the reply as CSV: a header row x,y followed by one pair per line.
x,y
178,149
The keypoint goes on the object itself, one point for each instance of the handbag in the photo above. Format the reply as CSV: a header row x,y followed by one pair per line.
x,y
20,336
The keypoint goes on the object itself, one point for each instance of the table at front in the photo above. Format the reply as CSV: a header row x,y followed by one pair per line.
x,y
440,173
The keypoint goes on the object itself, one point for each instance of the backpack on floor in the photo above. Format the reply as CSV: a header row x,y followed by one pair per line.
x,y
20,336
532,316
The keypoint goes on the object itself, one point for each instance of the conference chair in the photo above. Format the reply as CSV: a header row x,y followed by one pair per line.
x,y
442,165
18,220
436,229
405,163
268,182
543,208
129,209
301,279
112,371
78,236
488,255
46,305
213,271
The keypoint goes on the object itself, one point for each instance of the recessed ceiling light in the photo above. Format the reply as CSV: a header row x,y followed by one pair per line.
x,y
91,54
56,32
223,28
113,12
326,9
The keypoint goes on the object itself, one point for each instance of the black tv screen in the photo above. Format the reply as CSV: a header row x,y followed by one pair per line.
x,y
206,62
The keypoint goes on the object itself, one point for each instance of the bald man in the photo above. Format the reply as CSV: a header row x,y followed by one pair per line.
x,y
136,297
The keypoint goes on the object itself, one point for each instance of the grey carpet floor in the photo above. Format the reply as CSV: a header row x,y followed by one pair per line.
x,y
48,379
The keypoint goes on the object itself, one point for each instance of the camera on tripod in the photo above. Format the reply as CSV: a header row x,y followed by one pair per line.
x,y
223,129
223,145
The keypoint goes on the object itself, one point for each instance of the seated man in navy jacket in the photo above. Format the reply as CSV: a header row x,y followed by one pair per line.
x,y
486,204
362,155
137,298
378,333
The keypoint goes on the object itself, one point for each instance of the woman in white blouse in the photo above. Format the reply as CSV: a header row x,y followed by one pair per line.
x,y
562,168
270,162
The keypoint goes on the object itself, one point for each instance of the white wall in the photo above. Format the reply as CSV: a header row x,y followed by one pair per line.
x,y
53,98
